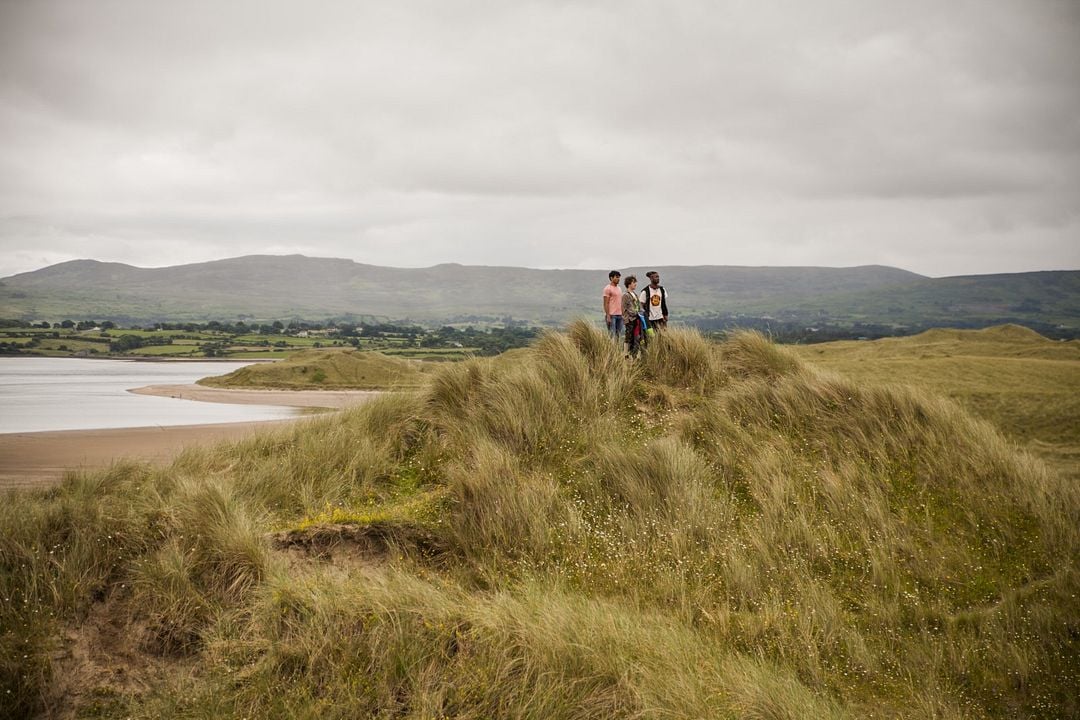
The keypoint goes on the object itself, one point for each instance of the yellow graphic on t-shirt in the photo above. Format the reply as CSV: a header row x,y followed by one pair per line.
x,y
654,300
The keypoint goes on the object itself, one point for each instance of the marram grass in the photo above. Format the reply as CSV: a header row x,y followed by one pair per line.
x,y
712,531
1026,384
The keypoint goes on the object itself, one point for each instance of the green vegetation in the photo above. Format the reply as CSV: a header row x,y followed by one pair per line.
x,y
243,342
714,531
1043,299
1025,384
326,370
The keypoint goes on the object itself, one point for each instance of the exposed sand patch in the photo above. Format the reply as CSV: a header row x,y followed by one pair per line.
x,y
356,543
104,660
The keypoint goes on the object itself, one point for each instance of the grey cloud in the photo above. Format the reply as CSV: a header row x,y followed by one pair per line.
x,y
542,132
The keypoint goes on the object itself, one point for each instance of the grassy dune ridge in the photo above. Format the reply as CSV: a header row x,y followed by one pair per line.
x,y
1026,384
326,369
712,531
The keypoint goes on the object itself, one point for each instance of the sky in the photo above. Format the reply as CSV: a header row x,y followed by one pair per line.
x,y
938,137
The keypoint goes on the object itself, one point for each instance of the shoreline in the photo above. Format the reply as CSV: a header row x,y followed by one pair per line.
x,y
328,399
40,459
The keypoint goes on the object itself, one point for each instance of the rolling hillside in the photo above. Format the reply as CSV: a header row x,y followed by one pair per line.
x,y
1050,297
267,287
284,287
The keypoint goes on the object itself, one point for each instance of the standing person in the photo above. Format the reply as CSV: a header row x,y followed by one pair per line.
x,y
631,306
613,305
654,300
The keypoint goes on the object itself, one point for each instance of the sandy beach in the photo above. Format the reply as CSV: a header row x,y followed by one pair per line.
x,y
41,458
331,399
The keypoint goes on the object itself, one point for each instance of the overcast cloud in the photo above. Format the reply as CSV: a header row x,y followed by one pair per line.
x,y
940,137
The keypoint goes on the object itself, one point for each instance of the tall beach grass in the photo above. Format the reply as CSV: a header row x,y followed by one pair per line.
x,y
713,530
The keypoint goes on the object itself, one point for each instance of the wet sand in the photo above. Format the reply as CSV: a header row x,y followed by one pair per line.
x,y
332,399
40,459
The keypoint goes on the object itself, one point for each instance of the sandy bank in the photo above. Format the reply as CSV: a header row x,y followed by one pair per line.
x,y
36,459
41,458
332,399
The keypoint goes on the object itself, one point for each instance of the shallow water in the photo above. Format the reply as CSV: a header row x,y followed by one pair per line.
x,y
39,394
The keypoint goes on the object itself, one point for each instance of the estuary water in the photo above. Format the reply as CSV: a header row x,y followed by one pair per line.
x,y
40,394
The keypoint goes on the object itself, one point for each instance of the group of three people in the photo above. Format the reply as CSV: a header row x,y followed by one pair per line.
x,y
629,314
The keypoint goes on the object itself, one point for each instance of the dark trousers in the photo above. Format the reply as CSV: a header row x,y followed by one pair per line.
x,y
633,336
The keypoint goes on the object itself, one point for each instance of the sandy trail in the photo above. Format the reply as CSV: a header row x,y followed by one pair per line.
x,y
40,459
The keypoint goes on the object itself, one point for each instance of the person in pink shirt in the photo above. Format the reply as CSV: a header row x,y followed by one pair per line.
x,y
613,305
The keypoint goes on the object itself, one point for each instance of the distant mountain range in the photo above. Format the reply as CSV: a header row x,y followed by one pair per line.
x,y
263,287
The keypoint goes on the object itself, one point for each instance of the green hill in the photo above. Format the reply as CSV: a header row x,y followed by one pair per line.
x,y
265,288
326,370
709,532
1048,298
269,287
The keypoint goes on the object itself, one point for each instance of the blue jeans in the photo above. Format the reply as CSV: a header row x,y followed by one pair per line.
x,y
616,327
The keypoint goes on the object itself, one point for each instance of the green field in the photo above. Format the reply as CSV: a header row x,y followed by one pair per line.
x,y
419,344
711,531
262,355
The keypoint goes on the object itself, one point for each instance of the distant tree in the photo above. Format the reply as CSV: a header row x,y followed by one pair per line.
x,y
216,349
124,343
67,324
